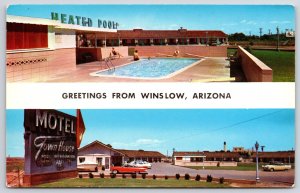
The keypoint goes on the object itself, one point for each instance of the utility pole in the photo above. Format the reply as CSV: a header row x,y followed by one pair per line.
x,y
277,29
260,32
256,147
269,32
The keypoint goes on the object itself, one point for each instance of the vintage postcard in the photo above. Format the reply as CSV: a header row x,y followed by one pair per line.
x,y
150,96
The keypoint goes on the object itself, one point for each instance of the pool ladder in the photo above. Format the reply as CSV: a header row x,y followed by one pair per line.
x,y
107,62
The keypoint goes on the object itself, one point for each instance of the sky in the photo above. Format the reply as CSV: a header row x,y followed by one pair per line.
x,y
183,129
228,18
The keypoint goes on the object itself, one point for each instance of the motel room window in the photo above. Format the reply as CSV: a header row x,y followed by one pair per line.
x,y
81,159
26,36
178,158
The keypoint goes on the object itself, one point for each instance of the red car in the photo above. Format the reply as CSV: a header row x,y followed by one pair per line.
x,y
123,169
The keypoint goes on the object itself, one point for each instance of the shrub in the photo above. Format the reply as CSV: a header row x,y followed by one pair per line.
x,y
198,177
218,164
123,176
103,168
209,178
177,176
80,176
154,177
102,175
91,175
143,176
249,49
166,177
113,175
187,176
133,176
221,180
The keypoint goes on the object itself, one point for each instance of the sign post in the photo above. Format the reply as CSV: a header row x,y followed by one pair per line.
x,y
50,146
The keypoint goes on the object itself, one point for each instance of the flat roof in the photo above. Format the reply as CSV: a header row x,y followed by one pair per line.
x,y
55,23
31,20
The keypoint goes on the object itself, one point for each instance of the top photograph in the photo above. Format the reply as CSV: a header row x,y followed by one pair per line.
x,y
150,43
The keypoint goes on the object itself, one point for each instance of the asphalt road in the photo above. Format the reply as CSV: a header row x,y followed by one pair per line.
x,y
171,170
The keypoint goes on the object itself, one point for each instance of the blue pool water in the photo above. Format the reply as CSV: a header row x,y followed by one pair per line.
x,y
153,68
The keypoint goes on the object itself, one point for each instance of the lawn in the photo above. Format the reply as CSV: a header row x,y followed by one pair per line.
x,y
131,183
282,63
240,167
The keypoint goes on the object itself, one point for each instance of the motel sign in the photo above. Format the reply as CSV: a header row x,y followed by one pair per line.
x,y
50,145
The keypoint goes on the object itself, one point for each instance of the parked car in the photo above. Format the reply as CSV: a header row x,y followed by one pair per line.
x,y
276,166
87,166
127,169
140,163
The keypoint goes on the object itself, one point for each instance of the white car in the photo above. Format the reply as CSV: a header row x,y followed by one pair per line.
x,y
140,164
276,166
87,166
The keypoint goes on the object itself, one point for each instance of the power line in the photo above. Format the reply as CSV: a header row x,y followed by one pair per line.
x,y
232,125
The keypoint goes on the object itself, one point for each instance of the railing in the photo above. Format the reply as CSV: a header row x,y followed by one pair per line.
x,y
107,62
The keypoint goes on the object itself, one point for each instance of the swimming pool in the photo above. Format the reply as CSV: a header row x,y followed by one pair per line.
x,y
153,68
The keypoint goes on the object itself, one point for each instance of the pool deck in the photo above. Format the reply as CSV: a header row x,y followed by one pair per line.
x,y
208,70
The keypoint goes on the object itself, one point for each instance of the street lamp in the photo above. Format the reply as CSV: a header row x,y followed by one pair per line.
x,y
256,147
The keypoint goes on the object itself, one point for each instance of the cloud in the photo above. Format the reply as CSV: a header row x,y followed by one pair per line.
x,y
243,21
251,23
148,141
138,144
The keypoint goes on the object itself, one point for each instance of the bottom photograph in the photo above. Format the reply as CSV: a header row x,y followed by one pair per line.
x,y
150,148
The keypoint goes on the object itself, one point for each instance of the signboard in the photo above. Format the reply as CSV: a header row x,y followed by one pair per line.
x,y
83,21
290,34
50,145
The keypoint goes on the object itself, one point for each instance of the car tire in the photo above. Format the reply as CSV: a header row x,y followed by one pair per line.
x,y
114,171
272,169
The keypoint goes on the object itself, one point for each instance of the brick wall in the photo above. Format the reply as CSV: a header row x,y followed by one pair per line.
x,y
254,69
208,51
38,65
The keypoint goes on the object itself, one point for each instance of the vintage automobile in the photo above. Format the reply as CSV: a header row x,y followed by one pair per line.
x,y
140,164
127,169
276,166
87,166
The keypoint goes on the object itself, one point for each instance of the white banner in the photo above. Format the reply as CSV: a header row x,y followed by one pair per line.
x,y
149,95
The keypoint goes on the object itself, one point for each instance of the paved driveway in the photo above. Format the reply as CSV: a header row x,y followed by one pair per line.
x,y
171,170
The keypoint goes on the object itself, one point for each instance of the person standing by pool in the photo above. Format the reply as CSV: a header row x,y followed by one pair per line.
x,y
136,55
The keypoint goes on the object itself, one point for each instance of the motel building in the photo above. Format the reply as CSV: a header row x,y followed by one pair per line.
x,y
38,49
105,155
227,158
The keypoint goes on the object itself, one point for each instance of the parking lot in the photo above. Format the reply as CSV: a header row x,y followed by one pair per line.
x,y
171,170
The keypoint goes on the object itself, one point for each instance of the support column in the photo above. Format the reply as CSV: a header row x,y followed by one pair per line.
x,y
151,42
136,41
166,41
176,41
187,41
